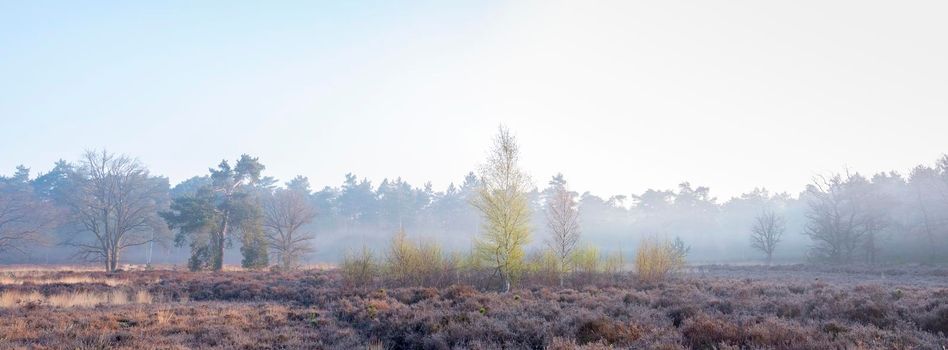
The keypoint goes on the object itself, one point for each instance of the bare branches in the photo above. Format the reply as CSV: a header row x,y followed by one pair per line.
x,y
24,219
115,203
766,232
286,212
844,216
503,204
562,217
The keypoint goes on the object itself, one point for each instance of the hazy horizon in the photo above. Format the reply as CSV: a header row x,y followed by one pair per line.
x,y
618,97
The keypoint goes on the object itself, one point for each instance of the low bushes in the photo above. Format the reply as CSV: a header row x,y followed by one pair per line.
x,y
408,262
936,321
309,309
359,269
656,259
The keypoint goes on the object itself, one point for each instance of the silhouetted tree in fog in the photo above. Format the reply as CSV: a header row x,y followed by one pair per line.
x,y
843,216
766,232
286,212
114,203
25,218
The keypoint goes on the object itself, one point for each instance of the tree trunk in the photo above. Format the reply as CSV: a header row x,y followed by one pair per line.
x,y
113,261
287,261
218,258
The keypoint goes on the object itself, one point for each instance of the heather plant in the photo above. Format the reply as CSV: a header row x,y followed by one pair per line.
x,y
724,307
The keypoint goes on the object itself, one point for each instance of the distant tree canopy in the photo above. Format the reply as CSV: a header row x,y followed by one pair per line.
x,y
25,219
839,218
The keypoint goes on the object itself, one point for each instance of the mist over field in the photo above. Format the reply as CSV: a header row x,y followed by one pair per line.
x,y
907,212
473,175
662,119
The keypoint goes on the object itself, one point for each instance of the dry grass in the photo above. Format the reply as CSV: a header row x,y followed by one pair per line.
x,y
33,269
22,278
316,309
163,317
319,266
11,299
18,269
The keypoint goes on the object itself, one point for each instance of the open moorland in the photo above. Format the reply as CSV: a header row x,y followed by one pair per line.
x,y
706,307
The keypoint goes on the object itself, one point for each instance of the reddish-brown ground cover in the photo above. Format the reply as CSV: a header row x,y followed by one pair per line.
x,y
714,307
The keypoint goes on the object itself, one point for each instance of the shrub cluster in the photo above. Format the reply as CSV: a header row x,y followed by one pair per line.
x,y
409,262
656,259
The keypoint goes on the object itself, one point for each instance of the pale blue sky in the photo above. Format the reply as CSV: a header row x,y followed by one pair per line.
x,y
619,96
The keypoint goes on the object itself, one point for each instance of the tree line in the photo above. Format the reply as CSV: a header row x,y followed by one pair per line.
x,y
105,205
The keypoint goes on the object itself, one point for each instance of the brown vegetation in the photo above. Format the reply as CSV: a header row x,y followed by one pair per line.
x,y
317,309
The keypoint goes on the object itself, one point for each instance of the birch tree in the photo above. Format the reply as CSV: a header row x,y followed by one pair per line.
x,y
504,206
562,219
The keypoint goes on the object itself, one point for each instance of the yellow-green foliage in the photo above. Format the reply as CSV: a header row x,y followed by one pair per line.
x,y
417,262
402,257
506,231
612,263
359,269
470,261
656,259
504,206
585,260
544,265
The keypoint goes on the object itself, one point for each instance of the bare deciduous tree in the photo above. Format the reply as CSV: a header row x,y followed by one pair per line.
x,y
766,232
832,220
115,203
285,213
842,216
562,218
925,186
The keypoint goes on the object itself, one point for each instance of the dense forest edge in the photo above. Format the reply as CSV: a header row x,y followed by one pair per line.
x,y
110,209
